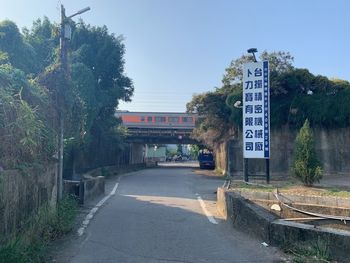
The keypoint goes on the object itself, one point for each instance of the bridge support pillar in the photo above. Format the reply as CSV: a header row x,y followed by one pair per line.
x,y
137,153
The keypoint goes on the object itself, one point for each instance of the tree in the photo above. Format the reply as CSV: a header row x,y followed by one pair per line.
x,y
194,151
214,115
306,167
291,87
98,56
21,54
179,149
280,63
43,36
88,96
25,128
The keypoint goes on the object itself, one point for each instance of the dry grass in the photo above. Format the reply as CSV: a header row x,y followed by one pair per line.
x,y
294,188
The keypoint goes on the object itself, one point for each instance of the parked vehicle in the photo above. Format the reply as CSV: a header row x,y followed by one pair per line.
x,y
206,160
177,158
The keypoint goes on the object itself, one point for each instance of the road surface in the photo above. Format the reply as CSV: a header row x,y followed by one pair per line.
x,y
164,215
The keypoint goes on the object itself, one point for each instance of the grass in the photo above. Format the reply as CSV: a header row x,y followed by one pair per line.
x,y
293,188
252,187
337,192
308,252
29,245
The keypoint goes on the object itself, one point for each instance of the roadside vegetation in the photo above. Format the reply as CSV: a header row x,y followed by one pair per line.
x,y
296,95
30,243
34,90
291,186
306,166
308,252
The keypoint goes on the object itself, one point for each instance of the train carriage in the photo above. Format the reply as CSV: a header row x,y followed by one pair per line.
x,y
157,120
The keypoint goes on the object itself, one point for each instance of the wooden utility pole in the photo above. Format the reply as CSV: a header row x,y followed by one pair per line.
x,y
64,37
63,65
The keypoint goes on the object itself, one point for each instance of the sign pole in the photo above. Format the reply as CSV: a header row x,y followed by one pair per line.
x,y
256,114
267,166
245,169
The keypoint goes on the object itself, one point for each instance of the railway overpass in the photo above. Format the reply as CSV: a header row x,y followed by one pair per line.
x,y
160,136
159,127
156,128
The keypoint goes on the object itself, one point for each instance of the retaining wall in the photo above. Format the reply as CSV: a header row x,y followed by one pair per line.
x,y
21,195
331,147
257,221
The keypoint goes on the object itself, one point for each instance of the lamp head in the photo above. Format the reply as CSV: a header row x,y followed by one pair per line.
x,y
252,50
238,104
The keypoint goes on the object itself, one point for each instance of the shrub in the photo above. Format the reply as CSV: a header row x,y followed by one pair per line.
x,y
306,166
31,243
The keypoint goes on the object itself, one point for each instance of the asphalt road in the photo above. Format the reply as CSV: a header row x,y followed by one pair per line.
x,y
165,215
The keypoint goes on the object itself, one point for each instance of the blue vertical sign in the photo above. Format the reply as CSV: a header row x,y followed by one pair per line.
x,y
256,110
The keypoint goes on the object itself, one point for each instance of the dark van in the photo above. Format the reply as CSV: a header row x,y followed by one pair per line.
x,y
206,160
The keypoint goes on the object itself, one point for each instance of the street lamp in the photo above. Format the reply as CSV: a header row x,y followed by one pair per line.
x,y
65,35
253,51
238,104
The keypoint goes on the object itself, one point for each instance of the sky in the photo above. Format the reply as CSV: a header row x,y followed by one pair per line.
x,y
178,48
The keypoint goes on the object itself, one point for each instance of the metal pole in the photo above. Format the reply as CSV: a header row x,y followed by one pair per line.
x,y
267,162
245,169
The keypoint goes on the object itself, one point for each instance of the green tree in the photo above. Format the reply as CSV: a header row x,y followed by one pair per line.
x,y
194,151
98,77
43,37
280,63
296,94
179,149
214,115
306,167
88,96
21,54
26,136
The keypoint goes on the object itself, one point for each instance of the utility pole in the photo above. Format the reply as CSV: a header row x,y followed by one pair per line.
x,y
63,65
65,35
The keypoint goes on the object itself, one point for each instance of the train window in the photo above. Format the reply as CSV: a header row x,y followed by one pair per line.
x,y
173,119
160,119
142,118
187,119
149,119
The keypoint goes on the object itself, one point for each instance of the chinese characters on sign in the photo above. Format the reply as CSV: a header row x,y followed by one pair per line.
x,y
256,110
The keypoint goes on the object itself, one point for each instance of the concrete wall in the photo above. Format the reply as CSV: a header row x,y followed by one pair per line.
x,y
21,194
92,187
137,153
332,147
254,220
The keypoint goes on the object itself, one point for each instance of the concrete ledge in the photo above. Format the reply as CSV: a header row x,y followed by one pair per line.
x,y
259,222
338,241
316,200
245,215
93,187
71,187
86,189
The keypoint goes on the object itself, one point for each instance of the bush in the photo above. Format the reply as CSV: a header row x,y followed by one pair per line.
x,y
306,167
46,225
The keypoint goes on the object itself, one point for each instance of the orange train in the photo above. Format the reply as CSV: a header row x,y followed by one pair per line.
x,y
157,120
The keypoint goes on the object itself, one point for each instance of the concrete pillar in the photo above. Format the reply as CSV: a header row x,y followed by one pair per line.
x,y
137,153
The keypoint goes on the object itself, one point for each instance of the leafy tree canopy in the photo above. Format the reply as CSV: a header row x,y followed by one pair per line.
x,y
19,52
296,94
88,95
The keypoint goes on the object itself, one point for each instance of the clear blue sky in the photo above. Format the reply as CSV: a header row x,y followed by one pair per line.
x,y
176,48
